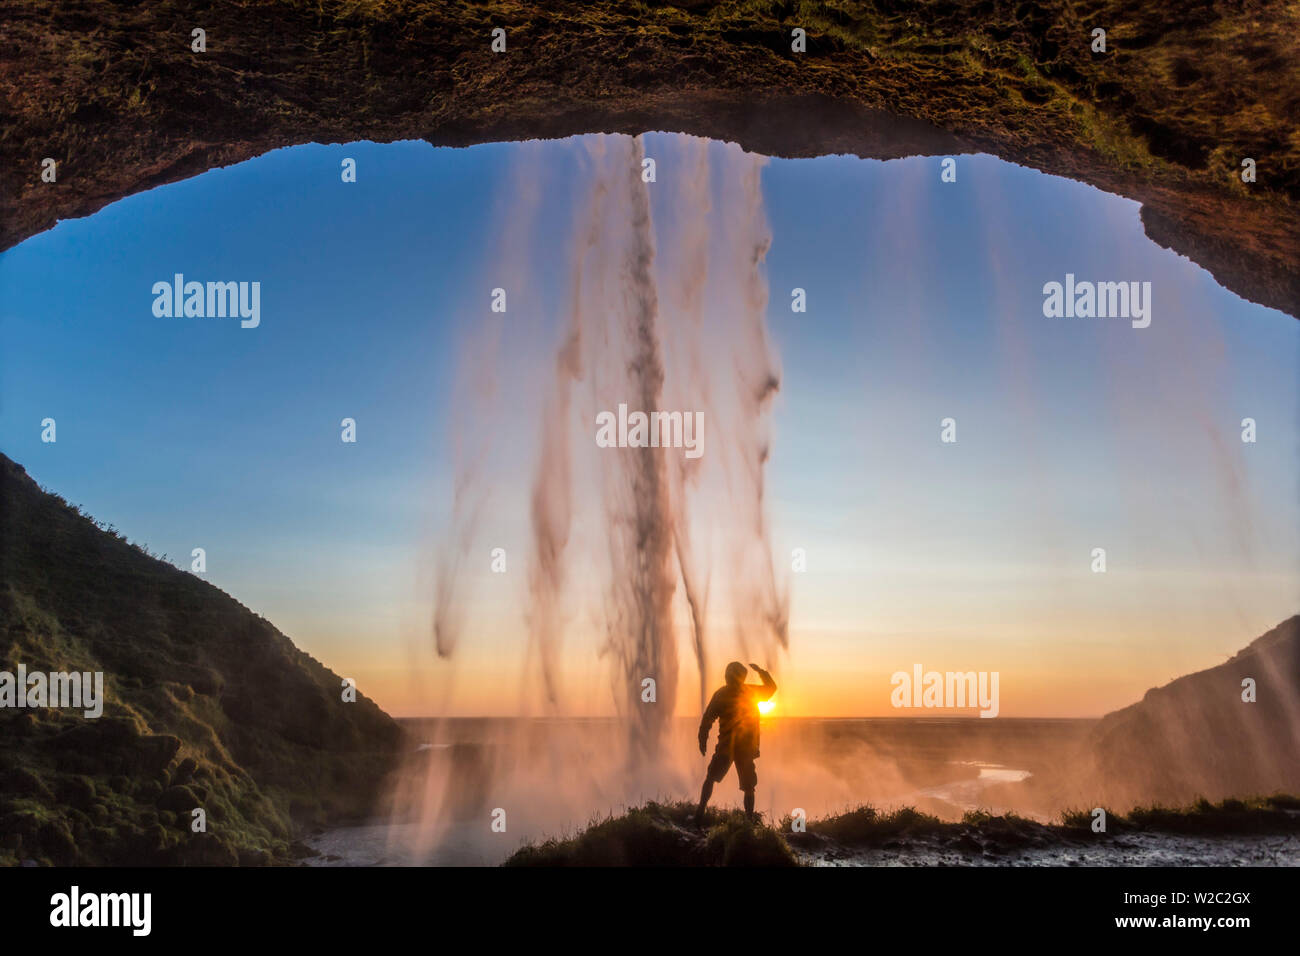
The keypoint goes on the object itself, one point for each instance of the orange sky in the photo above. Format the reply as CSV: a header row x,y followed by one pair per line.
x,y
832,673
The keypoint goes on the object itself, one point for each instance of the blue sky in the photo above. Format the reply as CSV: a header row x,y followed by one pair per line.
x,y
924,302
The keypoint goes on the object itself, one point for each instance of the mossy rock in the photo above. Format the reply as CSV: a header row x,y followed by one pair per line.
x,y
254,857
56,841
122,786
204,849
664,835
21,781
179,799
146,843
741,843
24,725
184,771
26,826
149,792
77,791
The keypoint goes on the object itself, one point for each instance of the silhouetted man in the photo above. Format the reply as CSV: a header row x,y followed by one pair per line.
x,y
735,707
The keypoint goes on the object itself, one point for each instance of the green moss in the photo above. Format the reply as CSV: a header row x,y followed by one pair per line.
x,y
659,834
865,824
739,842
120,789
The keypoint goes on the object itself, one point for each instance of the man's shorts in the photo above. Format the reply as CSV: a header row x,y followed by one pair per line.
x,y
745,769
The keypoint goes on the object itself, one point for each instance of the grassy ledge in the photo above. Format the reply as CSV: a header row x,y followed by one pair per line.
x,y
664,834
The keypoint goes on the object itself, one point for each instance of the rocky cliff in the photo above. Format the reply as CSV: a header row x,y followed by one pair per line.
x,y
113,91
1196,736
206,706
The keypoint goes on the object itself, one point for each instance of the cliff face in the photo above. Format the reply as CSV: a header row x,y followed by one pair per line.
x,y
1186,90
1196,737
206,706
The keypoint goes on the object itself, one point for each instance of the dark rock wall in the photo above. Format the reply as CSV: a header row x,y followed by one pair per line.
x,y
1185,91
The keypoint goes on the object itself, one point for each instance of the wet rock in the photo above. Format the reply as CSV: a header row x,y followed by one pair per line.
x,y
179,799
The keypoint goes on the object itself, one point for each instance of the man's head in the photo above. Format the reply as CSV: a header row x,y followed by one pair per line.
x,y
736,672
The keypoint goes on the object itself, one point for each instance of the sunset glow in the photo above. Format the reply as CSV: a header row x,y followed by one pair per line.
x,y
975,555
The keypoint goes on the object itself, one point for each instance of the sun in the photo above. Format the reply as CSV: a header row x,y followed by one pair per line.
x,y
765,706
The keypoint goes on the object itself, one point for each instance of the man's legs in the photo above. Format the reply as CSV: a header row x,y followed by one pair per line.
x,y
748,774
706,791
718,768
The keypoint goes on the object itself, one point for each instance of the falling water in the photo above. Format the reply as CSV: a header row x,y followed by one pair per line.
x,y
666,558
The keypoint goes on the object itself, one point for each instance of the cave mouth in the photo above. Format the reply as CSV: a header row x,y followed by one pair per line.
x,y
354,282
1157,115
1257,260
914,150
945,381
958,244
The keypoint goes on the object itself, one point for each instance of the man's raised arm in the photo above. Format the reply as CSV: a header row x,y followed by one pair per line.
x,y
769,685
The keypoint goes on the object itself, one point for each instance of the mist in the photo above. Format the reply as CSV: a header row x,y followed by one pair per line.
x,y
666,558
645,570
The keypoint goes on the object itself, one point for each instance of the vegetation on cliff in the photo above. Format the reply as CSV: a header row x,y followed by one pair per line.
x,y
663,834
207,706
